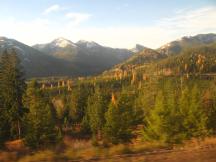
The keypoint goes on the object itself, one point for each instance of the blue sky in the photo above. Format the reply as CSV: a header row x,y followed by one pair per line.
x,y
115,23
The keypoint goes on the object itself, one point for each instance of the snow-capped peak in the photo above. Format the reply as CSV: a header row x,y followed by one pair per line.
x,y
88,44
6,41
62,42
3,39
82,41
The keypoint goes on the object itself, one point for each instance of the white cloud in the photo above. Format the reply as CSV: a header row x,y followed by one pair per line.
x,y
52,8
77,18
185,23
199,20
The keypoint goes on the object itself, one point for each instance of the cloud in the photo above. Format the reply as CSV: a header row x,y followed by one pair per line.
x,y
184,23
52,8
77,18
199,20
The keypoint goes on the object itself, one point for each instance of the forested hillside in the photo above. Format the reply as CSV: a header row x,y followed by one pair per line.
x,y
150,98
177,46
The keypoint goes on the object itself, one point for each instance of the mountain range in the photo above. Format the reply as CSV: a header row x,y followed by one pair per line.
x,y
187,55
62,57
90,57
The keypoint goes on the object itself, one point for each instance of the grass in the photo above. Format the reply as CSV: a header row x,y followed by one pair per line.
x,y
84,150
45,155
8,156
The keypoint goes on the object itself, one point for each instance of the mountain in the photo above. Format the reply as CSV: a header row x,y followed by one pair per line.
x,y
87,44
147,55
138,48
144,58
177,46
188,55
59,48
88,56
35,63
61,57
197,60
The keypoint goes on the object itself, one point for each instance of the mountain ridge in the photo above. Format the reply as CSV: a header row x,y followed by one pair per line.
x,y
176,46
62,57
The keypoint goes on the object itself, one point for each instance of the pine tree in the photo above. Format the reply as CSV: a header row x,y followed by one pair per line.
x,y
96,109
12,85
4,125
164,122
119,120
153,129
209,103
174,119
40,120
77,104
196,121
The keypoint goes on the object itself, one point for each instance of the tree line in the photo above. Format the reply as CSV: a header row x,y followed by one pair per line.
x,y
108,112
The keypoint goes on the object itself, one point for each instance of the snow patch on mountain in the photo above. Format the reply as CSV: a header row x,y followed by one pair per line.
x,y
88,44
91,44
62,43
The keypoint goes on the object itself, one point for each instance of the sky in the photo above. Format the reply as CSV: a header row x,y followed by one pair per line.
x,y
114,23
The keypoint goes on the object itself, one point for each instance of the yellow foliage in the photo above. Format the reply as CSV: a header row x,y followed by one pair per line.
x,y
113,99
46,155
186,67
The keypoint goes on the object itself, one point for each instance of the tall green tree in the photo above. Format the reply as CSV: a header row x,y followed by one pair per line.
x,y
209,103
40,120
154,121
4,124
195,118
77,104
12,85
96,109
119,120
164,121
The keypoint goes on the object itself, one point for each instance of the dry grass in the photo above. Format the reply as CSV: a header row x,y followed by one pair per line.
x,y
46,155
84,150
198,143
8,156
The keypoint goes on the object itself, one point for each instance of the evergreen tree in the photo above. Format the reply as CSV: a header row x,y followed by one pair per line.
x,y
209,103
96,108
4,125
195,121
164,123
12,85
155,120
40,120
119,120
77,104
173,121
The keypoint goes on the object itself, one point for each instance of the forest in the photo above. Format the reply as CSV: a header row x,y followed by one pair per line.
x,y
169,104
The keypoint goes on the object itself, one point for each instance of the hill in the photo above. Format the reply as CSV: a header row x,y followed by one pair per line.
x,y
177,46
199,59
